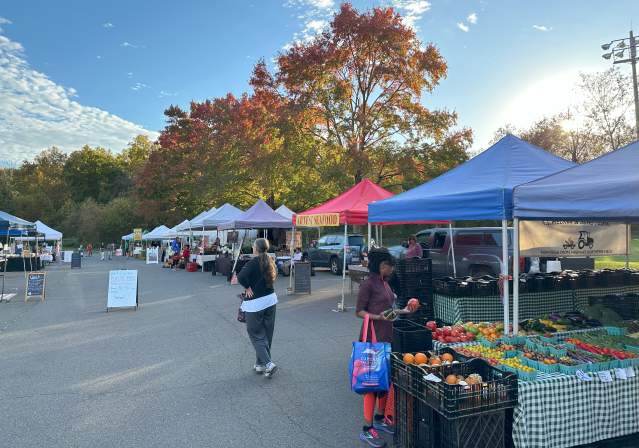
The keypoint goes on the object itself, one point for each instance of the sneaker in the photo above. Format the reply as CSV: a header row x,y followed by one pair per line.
x,y
270,370
372,438
384,426
259,368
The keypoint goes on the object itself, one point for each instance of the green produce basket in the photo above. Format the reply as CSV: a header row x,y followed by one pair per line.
x,y
616,331
548,368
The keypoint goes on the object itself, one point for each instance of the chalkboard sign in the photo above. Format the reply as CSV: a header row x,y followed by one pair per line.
x,y
302,273
123,289
35,285
76,260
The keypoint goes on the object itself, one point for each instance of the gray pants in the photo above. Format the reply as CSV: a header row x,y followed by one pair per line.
x,y
260,326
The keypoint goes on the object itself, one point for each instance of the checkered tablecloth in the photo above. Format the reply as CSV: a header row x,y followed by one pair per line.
x,y
490,308
564,411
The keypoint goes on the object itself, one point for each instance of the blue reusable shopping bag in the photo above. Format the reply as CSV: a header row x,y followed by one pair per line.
x,y
369,368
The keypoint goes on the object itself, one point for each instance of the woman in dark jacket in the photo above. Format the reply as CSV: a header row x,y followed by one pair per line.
x,y
258,276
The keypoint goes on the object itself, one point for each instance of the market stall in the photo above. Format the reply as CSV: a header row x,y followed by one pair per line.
x,y
13,258
480,189
349,208
259,216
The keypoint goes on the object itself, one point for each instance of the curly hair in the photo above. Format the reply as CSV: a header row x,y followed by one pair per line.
x,y
377,256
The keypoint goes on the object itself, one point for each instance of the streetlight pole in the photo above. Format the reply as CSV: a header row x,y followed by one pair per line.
x,y
617,54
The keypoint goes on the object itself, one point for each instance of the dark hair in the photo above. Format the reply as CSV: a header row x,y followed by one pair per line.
x,y
267,266
377,256
412,237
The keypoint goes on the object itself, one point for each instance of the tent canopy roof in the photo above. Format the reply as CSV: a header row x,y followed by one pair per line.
x,y
352,205
285,211
7,219
259,216
225,213
184,225
480,188
604,188
198,221
49,233
157,234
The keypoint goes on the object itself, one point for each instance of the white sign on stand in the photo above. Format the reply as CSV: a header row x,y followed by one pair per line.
x,y
123,289
152,255
67,256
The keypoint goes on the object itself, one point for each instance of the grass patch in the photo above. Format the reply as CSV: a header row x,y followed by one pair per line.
x,y
620,262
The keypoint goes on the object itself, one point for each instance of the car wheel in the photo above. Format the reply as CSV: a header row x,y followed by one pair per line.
x,y
480,271
335,266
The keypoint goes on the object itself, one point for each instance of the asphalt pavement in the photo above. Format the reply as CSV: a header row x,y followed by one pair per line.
x,y
174,373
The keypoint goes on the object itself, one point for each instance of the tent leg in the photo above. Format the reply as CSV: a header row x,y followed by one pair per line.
x,y
452,248
515,276
627,246
340,306
504,272
369,236
377,236
290,272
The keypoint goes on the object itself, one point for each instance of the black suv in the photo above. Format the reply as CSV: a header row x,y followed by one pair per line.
x,y
328,251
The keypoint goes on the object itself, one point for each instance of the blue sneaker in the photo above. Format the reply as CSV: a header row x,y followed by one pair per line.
x,y
372,438
384,426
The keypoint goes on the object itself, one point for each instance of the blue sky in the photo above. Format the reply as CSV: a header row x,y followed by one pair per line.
x,y
75,71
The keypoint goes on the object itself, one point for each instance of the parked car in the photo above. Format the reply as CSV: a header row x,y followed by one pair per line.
x,y
478,251
399,252
328,251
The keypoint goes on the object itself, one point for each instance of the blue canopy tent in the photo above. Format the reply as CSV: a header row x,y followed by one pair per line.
x,y
481,188
606,188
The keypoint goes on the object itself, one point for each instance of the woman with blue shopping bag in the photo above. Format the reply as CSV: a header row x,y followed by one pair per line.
x,y
370,363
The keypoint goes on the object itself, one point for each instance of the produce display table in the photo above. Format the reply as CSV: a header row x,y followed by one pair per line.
x,y
564,411
20,264
201,259
531,305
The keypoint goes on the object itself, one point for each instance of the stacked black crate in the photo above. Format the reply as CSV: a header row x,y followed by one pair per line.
x,y
414,279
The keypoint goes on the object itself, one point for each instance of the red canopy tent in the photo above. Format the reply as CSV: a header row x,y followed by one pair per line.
x,y
352,205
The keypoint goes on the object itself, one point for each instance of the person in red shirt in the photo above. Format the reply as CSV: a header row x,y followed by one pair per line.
x,y
186,255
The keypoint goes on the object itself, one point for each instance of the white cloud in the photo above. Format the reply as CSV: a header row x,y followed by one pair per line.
x,y
126,44
472,18
411,10
129,75
164,94
36,113
4,21
462,26
313,15
108,25
139,86
542,28
98,57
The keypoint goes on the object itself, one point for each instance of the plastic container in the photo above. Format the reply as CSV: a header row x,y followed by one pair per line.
x,y
409,336
498,390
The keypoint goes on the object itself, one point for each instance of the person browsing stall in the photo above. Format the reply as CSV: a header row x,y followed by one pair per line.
x,y
414,248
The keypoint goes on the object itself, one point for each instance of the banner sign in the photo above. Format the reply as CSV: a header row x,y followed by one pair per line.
x,y
152,255
318,220
298,239
123,289
137,234
571,239
35,285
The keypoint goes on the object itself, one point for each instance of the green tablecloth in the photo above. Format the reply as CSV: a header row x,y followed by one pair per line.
x,y
565,411
531,305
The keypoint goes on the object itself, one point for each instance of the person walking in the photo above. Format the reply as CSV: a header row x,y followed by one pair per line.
x,y
260,301
375,296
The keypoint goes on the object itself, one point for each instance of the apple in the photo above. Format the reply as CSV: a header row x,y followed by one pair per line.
x,y
447,330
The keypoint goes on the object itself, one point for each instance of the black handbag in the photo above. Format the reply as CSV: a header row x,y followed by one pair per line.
x,y
241,315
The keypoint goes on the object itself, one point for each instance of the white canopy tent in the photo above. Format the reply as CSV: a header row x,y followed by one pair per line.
x,y
156,234
285,212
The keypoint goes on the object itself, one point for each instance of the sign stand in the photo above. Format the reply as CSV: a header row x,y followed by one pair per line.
x,y
123,289
36,282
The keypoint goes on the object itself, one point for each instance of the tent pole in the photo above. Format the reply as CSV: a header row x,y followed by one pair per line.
x,y
452,248
291,270
627,245
377,235
369,236
340,306
516,276
504,272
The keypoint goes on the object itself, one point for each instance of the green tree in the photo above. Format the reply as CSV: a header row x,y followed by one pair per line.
x,y
95,173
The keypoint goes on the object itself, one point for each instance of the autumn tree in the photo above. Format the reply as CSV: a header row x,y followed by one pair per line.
x,y
359,88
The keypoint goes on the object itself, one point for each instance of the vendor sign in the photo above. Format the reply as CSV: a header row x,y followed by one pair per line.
x,y
318,220
137,234
572,239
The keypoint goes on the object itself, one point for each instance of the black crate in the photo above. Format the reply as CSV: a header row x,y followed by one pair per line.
x,y
626,305
407,265
418,426
498,390
410,336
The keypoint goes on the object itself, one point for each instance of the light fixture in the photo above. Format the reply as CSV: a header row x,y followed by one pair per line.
x,y
606,55
619,54
605,46
621,44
